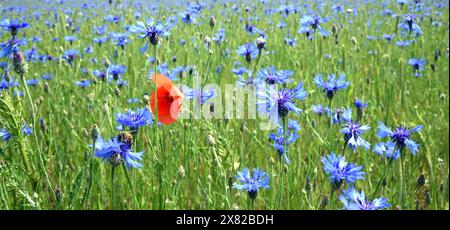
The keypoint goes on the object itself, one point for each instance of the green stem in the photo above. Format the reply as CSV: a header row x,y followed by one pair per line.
x,y
113,187
401,178
382,178
90,178
131,185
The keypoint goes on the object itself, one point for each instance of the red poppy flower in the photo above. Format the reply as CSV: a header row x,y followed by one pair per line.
x,y
169,99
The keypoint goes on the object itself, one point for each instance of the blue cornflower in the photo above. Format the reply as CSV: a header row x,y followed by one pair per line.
x,y
10,47
249,51
340,170
13,25
251,28
352,135
333,85
360,105
278,103
120,39
271,75
310,24
151,30
99,74
112,19
26,130
100,30
290,41
339,115
404,43
70,39
100,40
410,26
32,82
354,200
116,71
89,49
318,109
219,37
199,96
83,83
177,72
120,83
388,37
70,55
188,18
249,81
117,151
417,65
4,135
401,136
135,119
239,70
252,184
291,136
387,150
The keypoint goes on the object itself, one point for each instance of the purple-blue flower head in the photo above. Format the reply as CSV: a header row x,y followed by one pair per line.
x,y
354,200
352,135
339,115
197,95
26,130
271,75
116,152
252,184
417,65
249,51
135,119
277,103
360,105
116,71
318,109
151,30
333,85
279,141
83,83
13,25
387,150
4,135
70,55
340,170
409,25
10,47
310,24
401,136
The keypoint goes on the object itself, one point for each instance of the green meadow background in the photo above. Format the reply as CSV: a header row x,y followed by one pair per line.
x,y
189,165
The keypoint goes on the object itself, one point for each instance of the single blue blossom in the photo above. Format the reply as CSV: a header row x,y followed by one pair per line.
x,y
135,119
249,51
354,200
278,103
340,170
333,85
417,65
4,135
250,183
387,150
401,136
117,151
